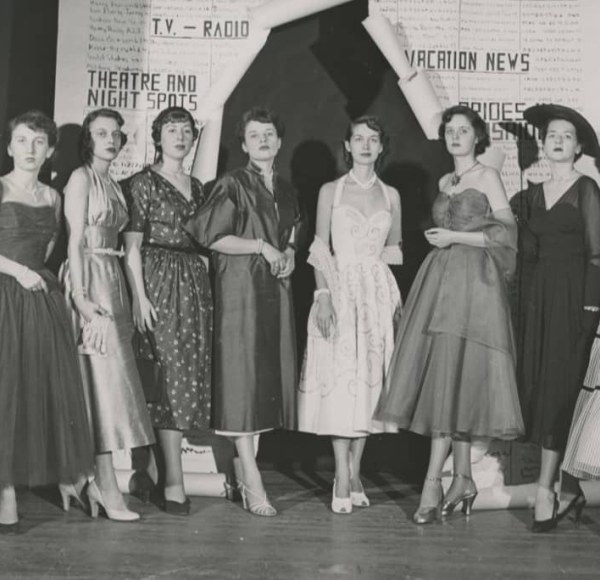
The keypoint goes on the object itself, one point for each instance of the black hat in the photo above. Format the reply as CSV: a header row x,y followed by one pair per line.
x,y
540,115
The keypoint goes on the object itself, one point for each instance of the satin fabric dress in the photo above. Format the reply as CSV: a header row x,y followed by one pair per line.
x,y
255,368
177,284
118,412
453,368
44,429
338,392
561,260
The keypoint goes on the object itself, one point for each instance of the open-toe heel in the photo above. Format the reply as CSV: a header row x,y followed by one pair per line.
x,y
256,503
429,514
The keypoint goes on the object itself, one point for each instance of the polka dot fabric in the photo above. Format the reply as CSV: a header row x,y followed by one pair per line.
x,y
177,284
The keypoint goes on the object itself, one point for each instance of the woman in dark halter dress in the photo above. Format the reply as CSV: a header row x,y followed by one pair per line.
x,y
44,431
452,374
562,305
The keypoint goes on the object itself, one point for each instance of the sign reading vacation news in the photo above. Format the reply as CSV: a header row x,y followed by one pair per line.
x,y
501,56
140,56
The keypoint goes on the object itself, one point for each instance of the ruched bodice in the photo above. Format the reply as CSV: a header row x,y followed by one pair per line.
x,y
25,232
107,213
458,211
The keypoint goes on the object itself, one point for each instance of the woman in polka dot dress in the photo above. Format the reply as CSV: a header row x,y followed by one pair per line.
x,y
172,306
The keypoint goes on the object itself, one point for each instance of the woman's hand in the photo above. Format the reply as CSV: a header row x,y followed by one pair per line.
x,y
290,263
31,280
326,319
277,260
88,309
93,334
440,237
144,315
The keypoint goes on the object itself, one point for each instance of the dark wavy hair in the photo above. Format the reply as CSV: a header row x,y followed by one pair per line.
x,y
171,115
36,121
86,142
375,125
260,115
478,124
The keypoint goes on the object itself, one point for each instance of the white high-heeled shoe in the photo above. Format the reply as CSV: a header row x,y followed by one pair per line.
x,y
96,500
359,498
340,505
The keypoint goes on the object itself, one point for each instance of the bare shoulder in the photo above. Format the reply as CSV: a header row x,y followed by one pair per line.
x,y
444,181
327,192
489,175
55,197
394,196
78,179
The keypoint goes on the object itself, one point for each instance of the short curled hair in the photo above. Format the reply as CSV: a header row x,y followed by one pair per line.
x,y
478,124
36,121
260,115
544,132
375,125
86,142
171,115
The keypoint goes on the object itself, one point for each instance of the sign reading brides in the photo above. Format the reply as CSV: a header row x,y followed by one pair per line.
x,y
501,57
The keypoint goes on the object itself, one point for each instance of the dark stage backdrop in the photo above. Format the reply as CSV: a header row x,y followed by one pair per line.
x,y
317,73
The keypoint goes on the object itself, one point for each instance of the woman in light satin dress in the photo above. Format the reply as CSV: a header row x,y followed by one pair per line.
x,y
96,212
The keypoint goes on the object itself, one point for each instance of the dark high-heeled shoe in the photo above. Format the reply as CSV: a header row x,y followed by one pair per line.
x,y
429,514
142,486
543,526
576,506
10,529
467,497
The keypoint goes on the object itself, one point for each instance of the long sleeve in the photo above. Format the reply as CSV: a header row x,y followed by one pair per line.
x,y
590,212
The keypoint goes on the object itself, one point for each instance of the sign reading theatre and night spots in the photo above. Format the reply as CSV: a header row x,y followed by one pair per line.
x,y
501,57
140,56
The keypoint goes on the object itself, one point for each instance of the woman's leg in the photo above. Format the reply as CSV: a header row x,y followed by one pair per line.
x,y
569,490
544,500
430,496
341,454
252,488
170,443
106,481
8,506
463,487
247,464
357,447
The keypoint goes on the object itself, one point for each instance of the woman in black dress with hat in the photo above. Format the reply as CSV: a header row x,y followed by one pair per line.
x,y
562,304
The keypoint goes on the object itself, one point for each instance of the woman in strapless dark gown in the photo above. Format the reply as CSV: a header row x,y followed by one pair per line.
x,y
44,432
452,375
561,307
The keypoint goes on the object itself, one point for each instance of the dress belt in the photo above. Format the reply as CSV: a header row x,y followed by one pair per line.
x,y
105,251
172,248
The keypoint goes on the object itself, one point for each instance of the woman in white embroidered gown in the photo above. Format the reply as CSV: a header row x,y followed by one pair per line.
x,y
350,328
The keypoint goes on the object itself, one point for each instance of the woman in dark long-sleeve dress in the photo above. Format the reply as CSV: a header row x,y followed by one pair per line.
x,y
562,305
172,307
250,222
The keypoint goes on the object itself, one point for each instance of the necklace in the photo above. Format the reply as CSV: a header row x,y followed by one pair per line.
x,y
363,184
455,179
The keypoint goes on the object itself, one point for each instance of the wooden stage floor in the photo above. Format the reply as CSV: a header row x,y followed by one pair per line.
x,y
305,542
